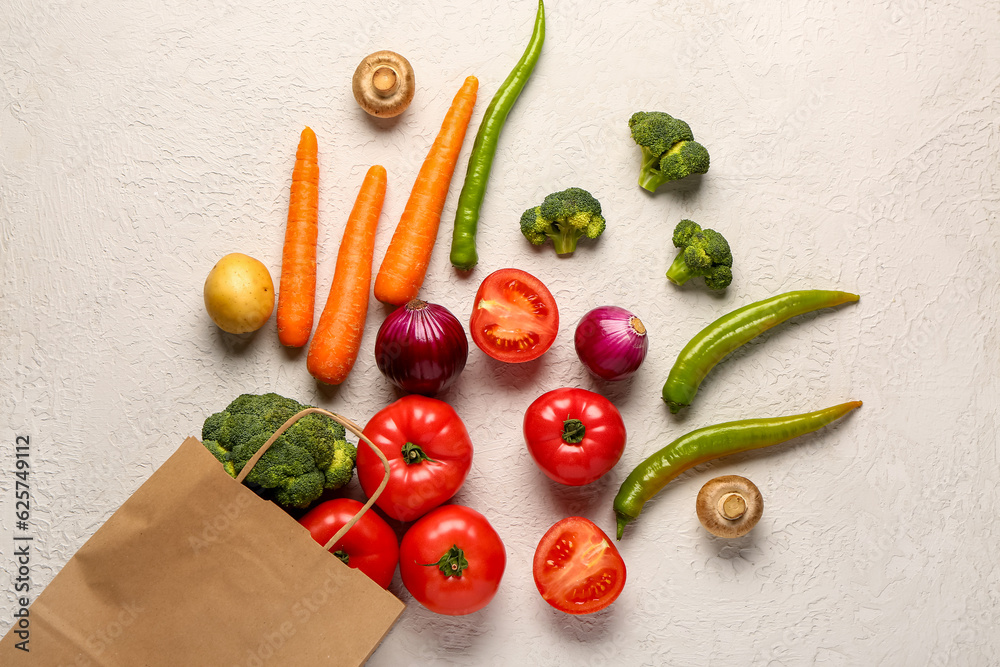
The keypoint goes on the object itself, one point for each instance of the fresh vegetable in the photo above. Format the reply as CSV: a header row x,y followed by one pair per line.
x,y
383,84
308,458
514,318
429,453
708,443
239,294
611,342
714,342
370,545
704,252
421,348
669,151
463,242
574,435
334,347
577,567
297,286
729,506
565,217
452,560
405,263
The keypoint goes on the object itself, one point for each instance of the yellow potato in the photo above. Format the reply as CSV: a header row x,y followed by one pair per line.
x,y
239,294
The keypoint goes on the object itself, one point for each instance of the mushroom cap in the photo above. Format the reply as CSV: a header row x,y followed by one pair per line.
x,y
729,506
384,84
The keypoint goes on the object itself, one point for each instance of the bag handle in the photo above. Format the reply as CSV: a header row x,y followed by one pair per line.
x,y
353,428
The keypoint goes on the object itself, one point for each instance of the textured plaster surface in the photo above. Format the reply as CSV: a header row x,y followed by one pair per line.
x,y
854,146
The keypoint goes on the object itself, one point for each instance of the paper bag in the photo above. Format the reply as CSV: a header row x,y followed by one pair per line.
x,y
196,569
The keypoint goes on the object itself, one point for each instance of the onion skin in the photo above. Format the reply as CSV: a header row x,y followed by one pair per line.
x,y
611,342
421,348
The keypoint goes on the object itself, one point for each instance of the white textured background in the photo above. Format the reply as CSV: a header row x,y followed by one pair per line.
x,y
854,146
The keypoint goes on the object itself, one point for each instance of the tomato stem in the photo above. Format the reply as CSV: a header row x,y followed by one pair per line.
x,y
413,454
452,563
573,431
342,555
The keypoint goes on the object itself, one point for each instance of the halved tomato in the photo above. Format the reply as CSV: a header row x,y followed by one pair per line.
x,y
514,317
577,568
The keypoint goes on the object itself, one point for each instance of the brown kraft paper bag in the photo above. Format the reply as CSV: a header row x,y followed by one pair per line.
x,y
196,569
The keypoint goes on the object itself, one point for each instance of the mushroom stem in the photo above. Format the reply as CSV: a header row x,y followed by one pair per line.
x,y
383,84
732,506
385,81
729,506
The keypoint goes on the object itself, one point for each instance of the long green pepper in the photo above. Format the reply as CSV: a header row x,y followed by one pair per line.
x,y
463,242
708,443
714,342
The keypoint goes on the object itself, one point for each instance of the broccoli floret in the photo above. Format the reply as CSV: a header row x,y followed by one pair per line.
x,y
564,217
704,252
310,457
669,151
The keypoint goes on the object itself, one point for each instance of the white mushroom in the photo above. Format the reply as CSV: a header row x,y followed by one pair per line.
x,y
729,506
383,84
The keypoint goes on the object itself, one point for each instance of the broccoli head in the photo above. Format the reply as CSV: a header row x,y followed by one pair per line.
x,y
669,151
564,217
704,252
308,458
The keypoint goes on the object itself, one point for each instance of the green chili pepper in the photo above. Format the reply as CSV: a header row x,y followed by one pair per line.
x,y
708,443
730,331
463,242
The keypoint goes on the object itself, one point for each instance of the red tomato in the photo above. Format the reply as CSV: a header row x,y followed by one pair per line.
x,y
577,568
429,453
574,435
452,560
370,545
514,317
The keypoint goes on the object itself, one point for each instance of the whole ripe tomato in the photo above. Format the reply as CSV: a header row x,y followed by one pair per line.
x,y
577,568
452,560
574,435
370,545
514,317
429,453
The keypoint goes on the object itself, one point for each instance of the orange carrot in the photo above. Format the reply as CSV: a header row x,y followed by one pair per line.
x,y
334,348
297,289
405,263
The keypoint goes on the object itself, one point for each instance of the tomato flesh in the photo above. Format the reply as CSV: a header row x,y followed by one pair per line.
x,y
577,568
514,318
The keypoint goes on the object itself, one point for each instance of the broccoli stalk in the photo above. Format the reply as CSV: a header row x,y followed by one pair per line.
x,y
669,151
310,457
565,217
703,252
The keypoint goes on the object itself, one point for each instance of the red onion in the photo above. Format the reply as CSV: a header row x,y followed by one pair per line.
x,y
421,347
611,342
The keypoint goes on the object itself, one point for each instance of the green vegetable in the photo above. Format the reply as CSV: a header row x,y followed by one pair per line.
x,y
463,242
669,151
727,333
708,443
564,217
308,458
704,252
